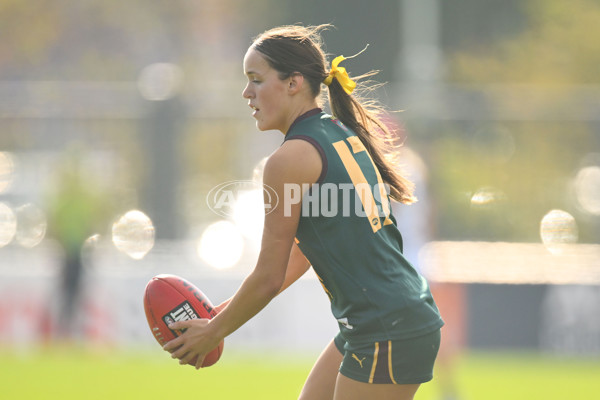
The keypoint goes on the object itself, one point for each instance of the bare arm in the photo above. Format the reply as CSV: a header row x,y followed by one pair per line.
x,y
297,266
270,276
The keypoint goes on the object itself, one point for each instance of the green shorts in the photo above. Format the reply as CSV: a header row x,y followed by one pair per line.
x,y
404,361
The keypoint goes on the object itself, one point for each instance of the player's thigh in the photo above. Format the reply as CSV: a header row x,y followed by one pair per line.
x,y
349,389
320,383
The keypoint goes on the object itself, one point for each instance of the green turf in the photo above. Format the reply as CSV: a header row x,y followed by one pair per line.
x,y
109,375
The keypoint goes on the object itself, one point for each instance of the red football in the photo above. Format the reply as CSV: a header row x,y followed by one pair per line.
x,y
169,298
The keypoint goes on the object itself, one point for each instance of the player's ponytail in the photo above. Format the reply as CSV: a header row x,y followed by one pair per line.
x,y
296,49
363,117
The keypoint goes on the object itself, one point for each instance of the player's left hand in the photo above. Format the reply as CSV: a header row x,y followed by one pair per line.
x,y
197,340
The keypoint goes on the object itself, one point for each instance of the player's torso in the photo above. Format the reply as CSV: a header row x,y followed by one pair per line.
x,y
349,236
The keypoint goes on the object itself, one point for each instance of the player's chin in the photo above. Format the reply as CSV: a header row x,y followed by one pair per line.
x,y
262,127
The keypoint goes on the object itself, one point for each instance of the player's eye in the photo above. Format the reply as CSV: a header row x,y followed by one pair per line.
x,y
253,79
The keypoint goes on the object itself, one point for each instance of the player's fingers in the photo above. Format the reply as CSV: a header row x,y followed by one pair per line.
x,y
183,360
179,325
181,352
186,358
200,361
172,345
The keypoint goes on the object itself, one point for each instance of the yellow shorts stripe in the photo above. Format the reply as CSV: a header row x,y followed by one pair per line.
x,y
390,361
375,355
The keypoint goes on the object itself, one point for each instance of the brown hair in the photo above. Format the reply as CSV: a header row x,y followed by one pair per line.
x,y
295,49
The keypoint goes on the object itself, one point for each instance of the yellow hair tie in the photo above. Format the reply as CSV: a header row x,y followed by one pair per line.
x,y
341,75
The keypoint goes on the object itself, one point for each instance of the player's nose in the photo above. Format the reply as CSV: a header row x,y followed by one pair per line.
x,y
247,93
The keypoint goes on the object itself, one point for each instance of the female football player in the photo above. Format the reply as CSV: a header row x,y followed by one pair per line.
x,y
334,184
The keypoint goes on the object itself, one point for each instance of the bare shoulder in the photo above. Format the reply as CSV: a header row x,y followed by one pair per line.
x,y
296,161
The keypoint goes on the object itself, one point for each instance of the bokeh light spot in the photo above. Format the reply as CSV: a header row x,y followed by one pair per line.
x,y
249,213
7,171
93,241
487,197
160,81
133,234
558,229
587,189
31,225
8,224
221,245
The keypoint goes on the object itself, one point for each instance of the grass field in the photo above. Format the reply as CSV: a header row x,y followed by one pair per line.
x,y
109,375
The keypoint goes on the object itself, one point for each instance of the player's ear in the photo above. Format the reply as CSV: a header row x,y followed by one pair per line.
x,y
295,82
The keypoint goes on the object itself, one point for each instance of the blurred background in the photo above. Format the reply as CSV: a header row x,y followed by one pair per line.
x,y
117,119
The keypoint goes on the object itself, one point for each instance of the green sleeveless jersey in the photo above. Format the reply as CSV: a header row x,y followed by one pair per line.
x,y
348,234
